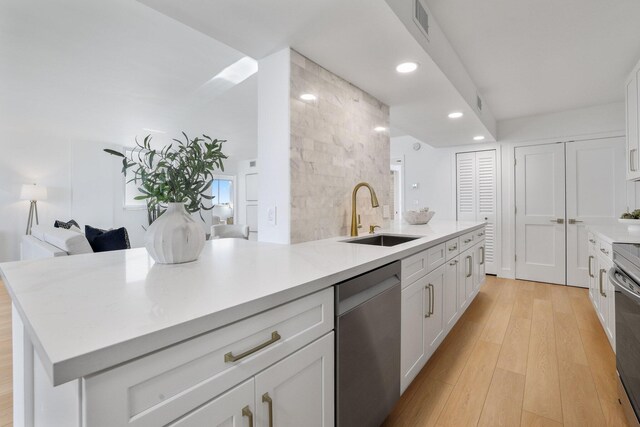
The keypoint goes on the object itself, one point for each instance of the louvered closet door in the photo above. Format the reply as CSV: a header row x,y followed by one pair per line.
x,y
486,211
466,186
476,196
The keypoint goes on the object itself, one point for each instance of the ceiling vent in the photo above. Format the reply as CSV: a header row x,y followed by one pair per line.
x,y
421,17
478,102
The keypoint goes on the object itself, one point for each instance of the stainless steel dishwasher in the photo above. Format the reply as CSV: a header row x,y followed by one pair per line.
x,y
368,347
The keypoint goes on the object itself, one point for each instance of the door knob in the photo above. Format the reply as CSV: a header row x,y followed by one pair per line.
x,y
573,221
558,220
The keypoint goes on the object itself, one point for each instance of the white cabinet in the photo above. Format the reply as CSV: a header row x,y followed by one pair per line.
x,y
298,391
601,290
450,291
413,339
631,89
294,392
434,318
432,303
480,256
165,386
234,408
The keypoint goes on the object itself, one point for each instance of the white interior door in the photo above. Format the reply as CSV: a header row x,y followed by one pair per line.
x,y
596,195
476,196
466,186
486,204
540,213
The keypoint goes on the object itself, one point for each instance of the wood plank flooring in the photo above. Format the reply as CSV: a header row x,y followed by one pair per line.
x,y
523,354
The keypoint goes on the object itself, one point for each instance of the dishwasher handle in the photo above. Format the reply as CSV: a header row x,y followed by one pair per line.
x,y
353,292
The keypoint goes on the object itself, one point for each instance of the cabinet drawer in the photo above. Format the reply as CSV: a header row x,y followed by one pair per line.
x,y
453,248
436,256
605,249
413,268
157,389
467,240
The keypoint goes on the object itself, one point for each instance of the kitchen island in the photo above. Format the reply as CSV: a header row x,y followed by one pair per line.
x,y
90,316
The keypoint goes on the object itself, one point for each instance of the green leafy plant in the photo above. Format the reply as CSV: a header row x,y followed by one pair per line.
x,y
178,173
631,215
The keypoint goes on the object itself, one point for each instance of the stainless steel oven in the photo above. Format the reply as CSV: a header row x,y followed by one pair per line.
x,y
625,276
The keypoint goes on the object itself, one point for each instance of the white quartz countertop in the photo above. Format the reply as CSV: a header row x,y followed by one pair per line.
x,y
86,313
614,233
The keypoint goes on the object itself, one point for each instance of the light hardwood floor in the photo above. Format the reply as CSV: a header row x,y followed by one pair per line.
x,y
523,354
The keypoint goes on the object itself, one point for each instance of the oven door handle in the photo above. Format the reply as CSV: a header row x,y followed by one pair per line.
x,y
620,287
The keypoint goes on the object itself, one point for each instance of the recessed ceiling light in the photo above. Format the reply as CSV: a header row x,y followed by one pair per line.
x,y
407,67
478,138
379,128
455,115
308,97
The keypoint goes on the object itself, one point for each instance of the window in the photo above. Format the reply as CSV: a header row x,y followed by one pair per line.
x,y
222,190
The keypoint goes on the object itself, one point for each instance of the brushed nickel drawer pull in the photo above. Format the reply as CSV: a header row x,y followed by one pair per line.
x,y
482,262
267,399
428,289
454,262
590,272
468,240
453,248
470,265
246,412
229,357
431,298
602,292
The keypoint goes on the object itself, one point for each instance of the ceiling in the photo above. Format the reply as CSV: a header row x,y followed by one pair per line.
x,y
541,56
103,72
360,40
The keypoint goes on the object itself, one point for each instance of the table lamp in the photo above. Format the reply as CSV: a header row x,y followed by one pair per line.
x,y
33,193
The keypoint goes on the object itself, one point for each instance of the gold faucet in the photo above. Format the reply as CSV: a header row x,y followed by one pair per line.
x,y
354,214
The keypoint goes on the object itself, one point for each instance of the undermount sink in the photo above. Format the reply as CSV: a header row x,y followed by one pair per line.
x,y
381,240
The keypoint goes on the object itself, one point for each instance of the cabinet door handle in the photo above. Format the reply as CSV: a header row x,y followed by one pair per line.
x,y
482,262
229,357
602,292
267,399
469,266
246,412
432,296
632,164
428,289
590,272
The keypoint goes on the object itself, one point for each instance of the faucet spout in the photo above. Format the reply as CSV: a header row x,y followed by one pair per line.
x,y
354,214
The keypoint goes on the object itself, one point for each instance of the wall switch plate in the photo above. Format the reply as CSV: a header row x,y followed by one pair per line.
x,y
271,215
386,213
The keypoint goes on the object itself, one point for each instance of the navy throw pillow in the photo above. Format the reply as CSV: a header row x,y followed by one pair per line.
x,y
66,225
107,240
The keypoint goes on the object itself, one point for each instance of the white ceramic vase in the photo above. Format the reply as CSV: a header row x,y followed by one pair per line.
x,y
175,237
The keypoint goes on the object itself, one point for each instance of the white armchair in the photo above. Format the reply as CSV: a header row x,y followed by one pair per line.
x,y
224,231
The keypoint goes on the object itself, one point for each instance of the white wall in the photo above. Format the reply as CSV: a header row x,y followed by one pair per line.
x,y
574,125
432,169
274,146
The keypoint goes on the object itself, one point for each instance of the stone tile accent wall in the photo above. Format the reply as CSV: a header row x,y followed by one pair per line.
x,y
334,147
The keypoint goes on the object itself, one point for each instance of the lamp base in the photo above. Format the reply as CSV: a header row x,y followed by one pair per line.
x,y
33,210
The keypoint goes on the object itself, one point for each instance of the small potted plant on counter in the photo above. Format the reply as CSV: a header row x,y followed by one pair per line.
x,y
631,220
175,182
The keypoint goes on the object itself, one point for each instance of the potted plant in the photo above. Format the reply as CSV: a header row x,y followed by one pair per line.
x,y
174,182
631,220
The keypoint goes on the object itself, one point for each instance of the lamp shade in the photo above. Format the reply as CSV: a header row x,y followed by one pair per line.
x,y
33,192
